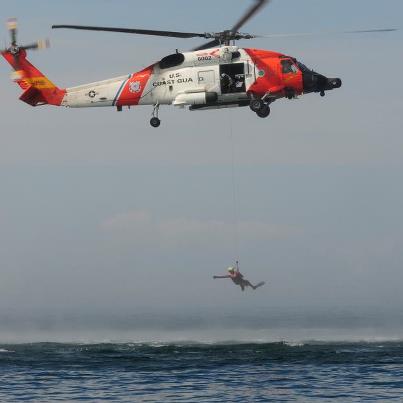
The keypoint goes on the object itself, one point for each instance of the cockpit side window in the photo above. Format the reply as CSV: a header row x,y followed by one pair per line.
x,y
302,67
288,66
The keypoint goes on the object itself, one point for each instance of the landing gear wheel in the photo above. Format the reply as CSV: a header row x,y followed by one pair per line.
x,y
155,122
264,112
256,105
322,93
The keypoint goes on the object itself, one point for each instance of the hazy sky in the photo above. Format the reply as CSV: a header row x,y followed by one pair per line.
x,y
101,213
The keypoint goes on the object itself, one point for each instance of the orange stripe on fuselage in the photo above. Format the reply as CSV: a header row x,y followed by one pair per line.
x,y
134,88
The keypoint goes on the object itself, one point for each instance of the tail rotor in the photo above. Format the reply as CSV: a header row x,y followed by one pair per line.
x,y
16,49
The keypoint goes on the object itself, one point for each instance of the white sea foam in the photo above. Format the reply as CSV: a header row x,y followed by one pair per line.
x,y
293,344
3,350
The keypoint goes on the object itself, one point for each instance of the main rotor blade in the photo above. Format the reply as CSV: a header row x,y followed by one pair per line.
x,y
135,31
208,45
299,34
366,31
249,14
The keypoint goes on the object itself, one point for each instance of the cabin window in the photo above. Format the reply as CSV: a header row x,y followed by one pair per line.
x,y
172,61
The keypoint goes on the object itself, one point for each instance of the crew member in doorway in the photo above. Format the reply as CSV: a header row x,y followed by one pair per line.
x,y
227,83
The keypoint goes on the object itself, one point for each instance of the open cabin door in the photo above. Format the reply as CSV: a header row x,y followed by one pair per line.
x,y
232,78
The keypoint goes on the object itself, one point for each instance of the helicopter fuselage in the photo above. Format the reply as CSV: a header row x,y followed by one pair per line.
x,y
216,74
213,78
226,76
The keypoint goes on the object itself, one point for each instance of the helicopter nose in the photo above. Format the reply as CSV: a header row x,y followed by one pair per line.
x,y
333,83
315,82
330,84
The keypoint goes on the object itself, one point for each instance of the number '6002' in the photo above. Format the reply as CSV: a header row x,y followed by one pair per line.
x,y
201,58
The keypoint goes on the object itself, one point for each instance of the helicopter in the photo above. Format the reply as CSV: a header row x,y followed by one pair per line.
x,y
217,74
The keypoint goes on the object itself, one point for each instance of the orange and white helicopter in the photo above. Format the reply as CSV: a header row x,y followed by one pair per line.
x,y
215,75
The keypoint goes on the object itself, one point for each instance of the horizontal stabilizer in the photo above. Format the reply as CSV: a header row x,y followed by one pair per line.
x,y
32,96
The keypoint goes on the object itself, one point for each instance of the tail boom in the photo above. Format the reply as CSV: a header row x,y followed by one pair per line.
x,y
38,89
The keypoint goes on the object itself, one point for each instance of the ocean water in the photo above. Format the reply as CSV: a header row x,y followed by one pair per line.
x,y
202,372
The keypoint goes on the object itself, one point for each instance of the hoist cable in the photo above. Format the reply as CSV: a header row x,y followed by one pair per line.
x,y
234,191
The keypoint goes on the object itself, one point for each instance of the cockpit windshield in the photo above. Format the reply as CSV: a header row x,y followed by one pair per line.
x,y
302,67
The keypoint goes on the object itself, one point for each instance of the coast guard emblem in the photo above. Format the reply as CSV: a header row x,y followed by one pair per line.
x,y
135,86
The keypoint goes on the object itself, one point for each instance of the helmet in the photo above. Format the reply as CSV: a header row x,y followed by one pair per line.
x,y
231,268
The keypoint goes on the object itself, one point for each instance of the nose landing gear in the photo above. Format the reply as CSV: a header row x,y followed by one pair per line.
x,y
264,112
256,104
155,121
261,108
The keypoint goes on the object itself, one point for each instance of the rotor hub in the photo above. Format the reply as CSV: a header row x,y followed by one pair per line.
x,y
14,49
227,36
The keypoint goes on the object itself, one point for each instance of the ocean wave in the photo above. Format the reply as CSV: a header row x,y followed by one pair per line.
x,y
214,371
106,346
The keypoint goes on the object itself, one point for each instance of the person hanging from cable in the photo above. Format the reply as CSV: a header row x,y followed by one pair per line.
x,y
235,275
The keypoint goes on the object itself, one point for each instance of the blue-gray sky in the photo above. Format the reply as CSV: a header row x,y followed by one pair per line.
x,y
101,213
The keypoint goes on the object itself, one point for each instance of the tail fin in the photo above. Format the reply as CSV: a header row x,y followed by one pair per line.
x,y
38,89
